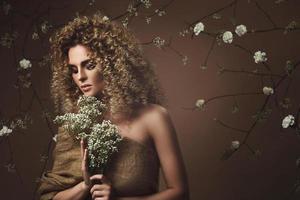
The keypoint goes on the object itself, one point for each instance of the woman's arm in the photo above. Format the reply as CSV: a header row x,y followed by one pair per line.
x,y
78,192
162,131
82,189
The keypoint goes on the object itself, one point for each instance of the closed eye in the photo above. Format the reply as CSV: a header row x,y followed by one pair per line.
x,y
73,69
91,65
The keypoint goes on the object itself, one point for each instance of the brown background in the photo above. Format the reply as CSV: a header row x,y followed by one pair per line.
x,y
244,176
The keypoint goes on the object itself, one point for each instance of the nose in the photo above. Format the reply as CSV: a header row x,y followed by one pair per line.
x,y
82,74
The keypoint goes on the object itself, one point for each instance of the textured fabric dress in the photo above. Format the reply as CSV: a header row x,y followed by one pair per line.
x,y
133,170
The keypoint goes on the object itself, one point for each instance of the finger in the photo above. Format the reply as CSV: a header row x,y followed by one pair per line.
x,y
100,198
85,158
99,187
84,164
81,148
99,193
97,176
100,177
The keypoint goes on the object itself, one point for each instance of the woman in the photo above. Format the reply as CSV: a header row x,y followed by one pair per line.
x,y
93,56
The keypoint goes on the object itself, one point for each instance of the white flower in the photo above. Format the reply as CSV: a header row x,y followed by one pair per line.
x,y
45,26
158,42
43,158
241,30
54,138
25,64
216,16
125,22
184,60
105,18
268,90
288,121
8,39
132,10
10,167
35,36
227,37
147,3
148,20
160,12
199,27
184,32
200,103
235,145
5,131
260,56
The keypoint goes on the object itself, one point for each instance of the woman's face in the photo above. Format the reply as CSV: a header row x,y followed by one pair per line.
x,y
85,72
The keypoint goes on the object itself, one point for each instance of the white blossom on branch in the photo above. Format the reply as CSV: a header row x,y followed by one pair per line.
x,y
200,103
25,64
241,30
235,145
288,121
198,28
227,37
260,56
268,90
5,131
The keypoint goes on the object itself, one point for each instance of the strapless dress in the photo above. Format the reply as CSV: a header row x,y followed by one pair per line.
x,y
133,170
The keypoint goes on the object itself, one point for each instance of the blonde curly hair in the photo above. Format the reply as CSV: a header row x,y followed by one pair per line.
x,y
129,79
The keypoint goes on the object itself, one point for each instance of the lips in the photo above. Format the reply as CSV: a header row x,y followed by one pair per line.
x,y
86,87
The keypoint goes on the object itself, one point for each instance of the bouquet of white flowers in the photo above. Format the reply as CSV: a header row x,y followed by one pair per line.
x,y
102,138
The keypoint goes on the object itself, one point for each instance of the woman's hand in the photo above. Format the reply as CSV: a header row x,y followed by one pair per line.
x,y
84,164
101,191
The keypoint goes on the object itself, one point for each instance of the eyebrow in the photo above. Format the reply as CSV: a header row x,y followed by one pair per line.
x,y
83,63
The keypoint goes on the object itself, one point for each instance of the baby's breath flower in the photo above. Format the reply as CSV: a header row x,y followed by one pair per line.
x,y
198,28
102,142
102,138
260,56
227,37
288,121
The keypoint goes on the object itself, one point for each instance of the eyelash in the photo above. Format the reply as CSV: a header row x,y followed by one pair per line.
x,y
89,66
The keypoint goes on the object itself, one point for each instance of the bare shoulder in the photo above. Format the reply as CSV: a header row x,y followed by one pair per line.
x,y
155,117
153,112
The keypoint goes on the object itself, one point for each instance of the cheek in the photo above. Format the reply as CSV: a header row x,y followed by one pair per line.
x,y
97,77
74,78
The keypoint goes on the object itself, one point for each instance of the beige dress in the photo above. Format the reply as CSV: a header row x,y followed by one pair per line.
x,y
133,170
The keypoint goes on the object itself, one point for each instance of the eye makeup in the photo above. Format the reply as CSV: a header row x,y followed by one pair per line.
x,y
89,64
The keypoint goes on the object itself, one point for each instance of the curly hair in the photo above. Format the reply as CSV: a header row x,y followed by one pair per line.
x,y
130,80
